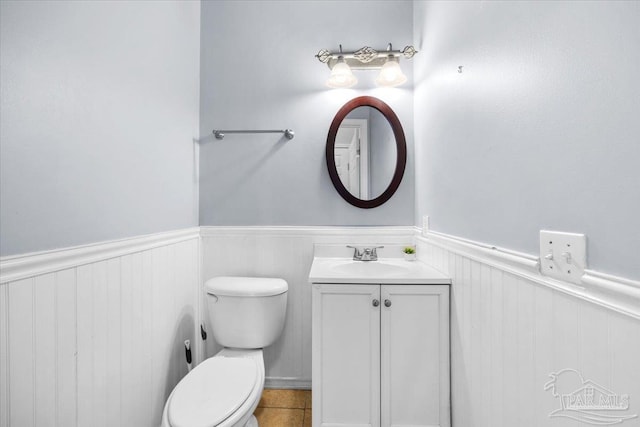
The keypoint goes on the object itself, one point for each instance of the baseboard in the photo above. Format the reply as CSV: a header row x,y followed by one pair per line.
x,y
287,383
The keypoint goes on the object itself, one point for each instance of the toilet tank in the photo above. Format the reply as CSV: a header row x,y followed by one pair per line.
x,y
246,312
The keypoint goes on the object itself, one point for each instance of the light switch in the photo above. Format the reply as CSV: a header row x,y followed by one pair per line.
x,y
563,255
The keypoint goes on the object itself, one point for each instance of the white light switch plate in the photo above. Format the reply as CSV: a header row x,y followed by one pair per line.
x,y
563,255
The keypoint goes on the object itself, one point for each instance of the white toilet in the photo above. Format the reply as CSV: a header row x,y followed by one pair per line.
x,y
246,314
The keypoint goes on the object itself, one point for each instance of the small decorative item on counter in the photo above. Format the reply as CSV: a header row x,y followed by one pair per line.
x,y
410,253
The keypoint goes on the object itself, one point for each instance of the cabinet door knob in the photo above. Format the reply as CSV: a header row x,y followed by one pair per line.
x,y
376,303
387,303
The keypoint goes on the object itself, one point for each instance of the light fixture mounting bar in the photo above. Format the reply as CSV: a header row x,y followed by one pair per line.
x,y
365,57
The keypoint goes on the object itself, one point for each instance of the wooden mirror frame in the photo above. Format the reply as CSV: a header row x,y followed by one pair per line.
x,y
401,146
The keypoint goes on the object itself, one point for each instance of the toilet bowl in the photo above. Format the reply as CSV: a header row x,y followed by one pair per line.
x,y
246,314
222,391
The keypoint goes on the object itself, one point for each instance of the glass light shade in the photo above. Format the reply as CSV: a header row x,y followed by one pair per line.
x,y
341,76
391,74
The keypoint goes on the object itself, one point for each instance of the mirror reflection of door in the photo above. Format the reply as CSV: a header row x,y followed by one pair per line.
x,y
365,153
352,156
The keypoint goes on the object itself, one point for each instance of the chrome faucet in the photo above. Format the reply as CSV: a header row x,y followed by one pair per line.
x,y
365,254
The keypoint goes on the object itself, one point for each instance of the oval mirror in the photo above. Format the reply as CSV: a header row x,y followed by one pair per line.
x,y
366,152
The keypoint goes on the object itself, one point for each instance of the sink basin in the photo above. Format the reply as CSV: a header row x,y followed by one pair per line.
x,y
383,271
370,268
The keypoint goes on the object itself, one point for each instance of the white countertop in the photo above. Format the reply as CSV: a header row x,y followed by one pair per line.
x,y
384,271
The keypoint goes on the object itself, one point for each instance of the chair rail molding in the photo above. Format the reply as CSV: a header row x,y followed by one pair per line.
x,y
619,294
330,231
13,268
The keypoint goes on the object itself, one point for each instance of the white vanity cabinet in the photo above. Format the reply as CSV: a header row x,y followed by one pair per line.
x,y
380,355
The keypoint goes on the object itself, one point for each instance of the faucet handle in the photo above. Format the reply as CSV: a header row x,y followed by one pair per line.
x,y
365,254
357,254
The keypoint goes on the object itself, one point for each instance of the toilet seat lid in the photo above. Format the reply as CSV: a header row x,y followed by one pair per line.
x,y
212,391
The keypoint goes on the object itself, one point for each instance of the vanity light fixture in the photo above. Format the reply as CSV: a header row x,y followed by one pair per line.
x,y
341,75
341,63
391,74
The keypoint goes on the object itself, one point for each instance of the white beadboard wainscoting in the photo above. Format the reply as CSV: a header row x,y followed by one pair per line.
x,y
285,252
93,335
511,328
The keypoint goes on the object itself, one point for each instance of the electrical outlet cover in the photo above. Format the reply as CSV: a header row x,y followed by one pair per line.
x,y
563,256
425,224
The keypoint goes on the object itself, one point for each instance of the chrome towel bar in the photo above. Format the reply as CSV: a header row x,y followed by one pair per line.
x,y
219,134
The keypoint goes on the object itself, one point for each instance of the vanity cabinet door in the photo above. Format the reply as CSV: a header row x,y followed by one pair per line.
x,y
415,355
346,355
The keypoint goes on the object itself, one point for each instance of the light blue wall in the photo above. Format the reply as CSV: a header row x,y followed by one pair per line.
x,y
99,108
540,131
259,71
99,105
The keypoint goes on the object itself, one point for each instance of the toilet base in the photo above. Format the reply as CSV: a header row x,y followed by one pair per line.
x,y
253,422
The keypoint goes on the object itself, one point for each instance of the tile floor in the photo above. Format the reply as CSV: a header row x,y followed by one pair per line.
x,y
284,408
